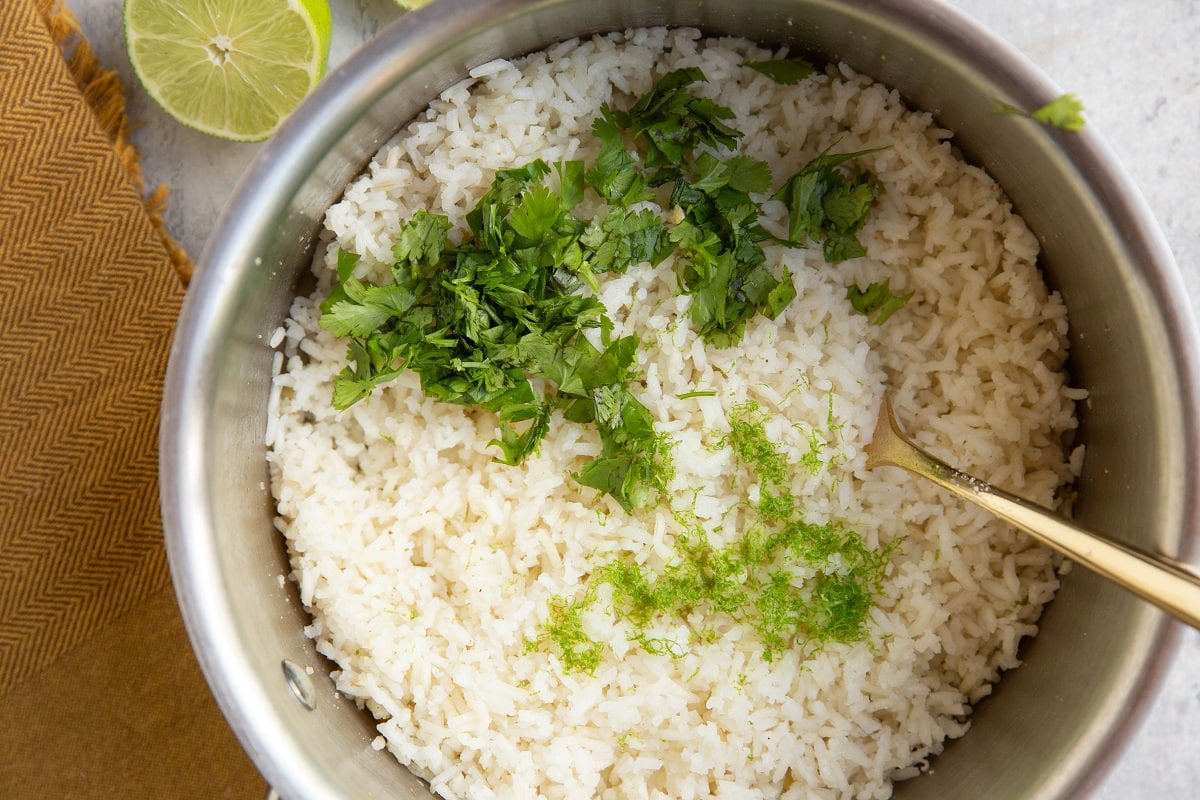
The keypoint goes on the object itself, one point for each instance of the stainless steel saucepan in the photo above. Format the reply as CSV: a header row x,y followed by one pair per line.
x,y
1050,726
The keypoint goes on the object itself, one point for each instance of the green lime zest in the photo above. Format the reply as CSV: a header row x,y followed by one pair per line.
x,y
563,628
793,581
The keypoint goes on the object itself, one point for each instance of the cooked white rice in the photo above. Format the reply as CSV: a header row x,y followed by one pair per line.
x,y
427,567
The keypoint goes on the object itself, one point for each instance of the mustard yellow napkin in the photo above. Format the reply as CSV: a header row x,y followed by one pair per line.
x,y
100,695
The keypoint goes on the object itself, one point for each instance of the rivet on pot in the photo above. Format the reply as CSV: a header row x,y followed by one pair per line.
x,y
300,684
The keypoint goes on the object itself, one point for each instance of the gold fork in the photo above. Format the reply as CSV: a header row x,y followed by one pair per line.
x,y
1166,583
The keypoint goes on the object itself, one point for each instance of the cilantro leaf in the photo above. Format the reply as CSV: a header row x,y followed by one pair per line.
x,y
421,239
346,262
787,71
571,182
848,203
365,308
622,239
827,206
876,301
841,246
672,123
368,368
636,459
517,446
535,215
748,174
1064,112
780,296
615,175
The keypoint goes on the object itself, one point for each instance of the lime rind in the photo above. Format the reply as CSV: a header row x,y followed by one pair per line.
x,y
233,69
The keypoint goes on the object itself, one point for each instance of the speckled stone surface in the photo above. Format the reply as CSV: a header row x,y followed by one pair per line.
x,y
1136,66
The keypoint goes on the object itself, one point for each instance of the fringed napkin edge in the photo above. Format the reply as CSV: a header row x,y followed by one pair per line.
x,y
102,89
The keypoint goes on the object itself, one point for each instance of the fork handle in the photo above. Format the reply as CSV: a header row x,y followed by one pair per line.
x,y
1162,581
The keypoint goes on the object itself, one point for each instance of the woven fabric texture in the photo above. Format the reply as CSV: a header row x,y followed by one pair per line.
x,y
100,695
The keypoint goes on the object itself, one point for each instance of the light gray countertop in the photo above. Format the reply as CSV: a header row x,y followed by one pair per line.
x,y
1136,66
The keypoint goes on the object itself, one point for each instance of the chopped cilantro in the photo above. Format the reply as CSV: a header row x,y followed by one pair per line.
x,y
671,123
623,238
1064,111
787,71
615,176
826,205
479,320
876,301
718,239
496,322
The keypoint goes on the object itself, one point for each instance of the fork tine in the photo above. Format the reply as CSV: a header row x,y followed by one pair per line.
x,y
880,449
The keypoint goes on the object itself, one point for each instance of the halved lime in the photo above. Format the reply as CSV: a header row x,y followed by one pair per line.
x,y
230,68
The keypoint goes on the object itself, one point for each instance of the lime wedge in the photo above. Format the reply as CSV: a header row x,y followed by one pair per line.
x,y
230,68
